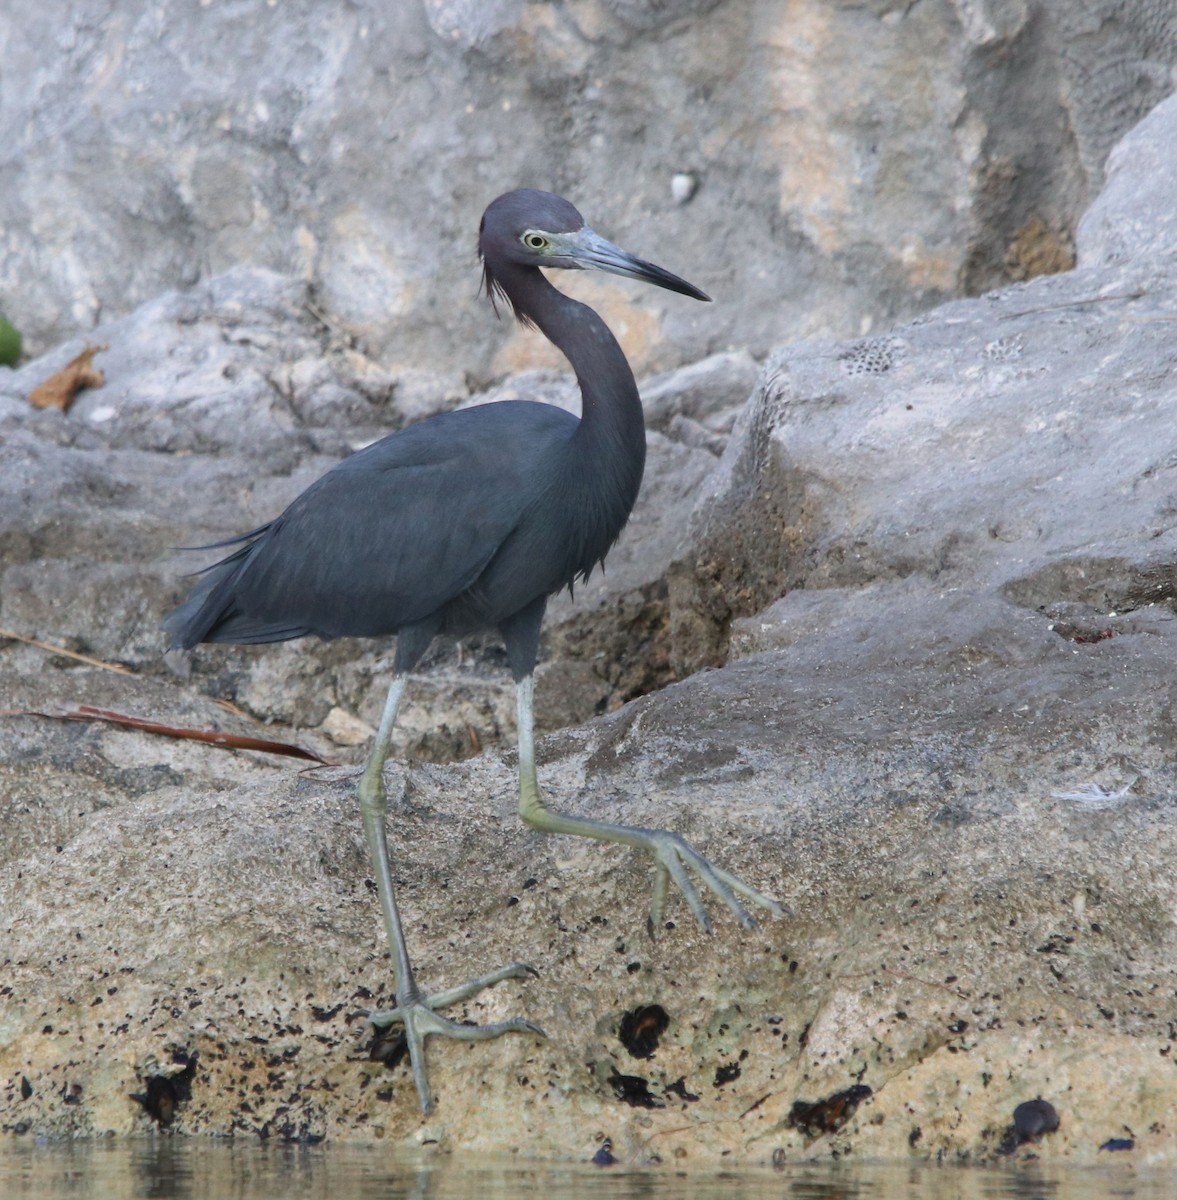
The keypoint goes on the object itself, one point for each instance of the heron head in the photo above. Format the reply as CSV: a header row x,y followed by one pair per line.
x,y
530,228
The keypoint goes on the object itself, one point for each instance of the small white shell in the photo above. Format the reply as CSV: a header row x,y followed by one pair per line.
x,y
683,186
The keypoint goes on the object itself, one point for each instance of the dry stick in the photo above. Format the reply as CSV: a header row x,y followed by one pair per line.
x,y
227,741
118,668
1041,308
224,741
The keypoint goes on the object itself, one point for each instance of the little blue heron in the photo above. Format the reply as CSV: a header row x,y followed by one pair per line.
x,y
468,521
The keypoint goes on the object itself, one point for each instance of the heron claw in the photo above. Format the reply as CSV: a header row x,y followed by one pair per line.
x,y
420,1020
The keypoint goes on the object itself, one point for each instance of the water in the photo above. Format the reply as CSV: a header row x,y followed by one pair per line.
x,y
174,1168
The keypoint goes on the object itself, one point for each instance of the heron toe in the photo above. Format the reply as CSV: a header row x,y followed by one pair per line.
x,y
418,1016
672,855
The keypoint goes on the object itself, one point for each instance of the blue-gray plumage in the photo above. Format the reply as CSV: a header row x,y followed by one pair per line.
x,y
468,521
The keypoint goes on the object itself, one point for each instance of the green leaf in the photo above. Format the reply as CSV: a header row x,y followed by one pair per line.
x,y
9,344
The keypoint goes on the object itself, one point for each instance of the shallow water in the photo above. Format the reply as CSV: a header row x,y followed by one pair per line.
x,y
250,1171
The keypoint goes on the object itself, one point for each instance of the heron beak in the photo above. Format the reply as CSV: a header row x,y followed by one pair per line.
x,y
590,251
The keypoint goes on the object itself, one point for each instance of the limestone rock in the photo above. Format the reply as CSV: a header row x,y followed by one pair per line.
x,y
1013,442
853,164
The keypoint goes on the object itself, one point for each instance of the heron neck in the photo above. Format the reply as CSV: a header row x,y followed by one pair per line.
x,y
610,404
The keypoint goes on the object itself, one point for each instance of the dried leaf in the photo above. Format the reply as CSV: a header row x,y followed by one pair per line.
x,y
225,741
59,390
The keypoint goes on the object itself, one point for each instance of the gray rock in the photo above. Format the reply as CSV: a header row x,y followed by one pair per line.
x,y
1132,219
152,145
706,392
1015,442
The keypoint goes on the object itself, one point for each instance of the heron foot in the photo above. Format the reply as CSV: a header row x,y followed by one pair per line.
x,y
672,855
419,1019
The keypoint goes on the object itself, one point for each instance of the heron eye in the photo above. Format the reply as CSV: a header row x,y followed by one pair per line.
x,y
535,241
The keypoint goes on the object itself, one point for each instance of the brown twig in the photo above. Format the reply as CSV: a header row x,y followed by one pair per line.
x,y
223,741
755,1105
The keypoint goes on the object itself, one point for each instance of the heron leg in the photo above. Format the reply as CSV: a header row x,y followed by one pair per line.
x,y
414,1011
672,853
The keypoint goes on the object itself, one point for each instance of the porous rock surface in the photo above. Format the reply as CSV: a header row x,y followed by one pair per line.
x,y
934,576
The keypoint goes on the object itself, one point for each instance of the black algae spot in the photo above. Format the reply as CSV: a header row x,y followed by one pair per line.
x,y
300,1135
828,1115
727,1073
165,1093
1119,1144
679,1088
640,1029
633,1090
26,1088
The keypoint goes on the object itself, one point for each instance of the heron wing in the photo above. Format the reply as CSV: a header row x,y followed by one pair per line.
x,y
388,536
